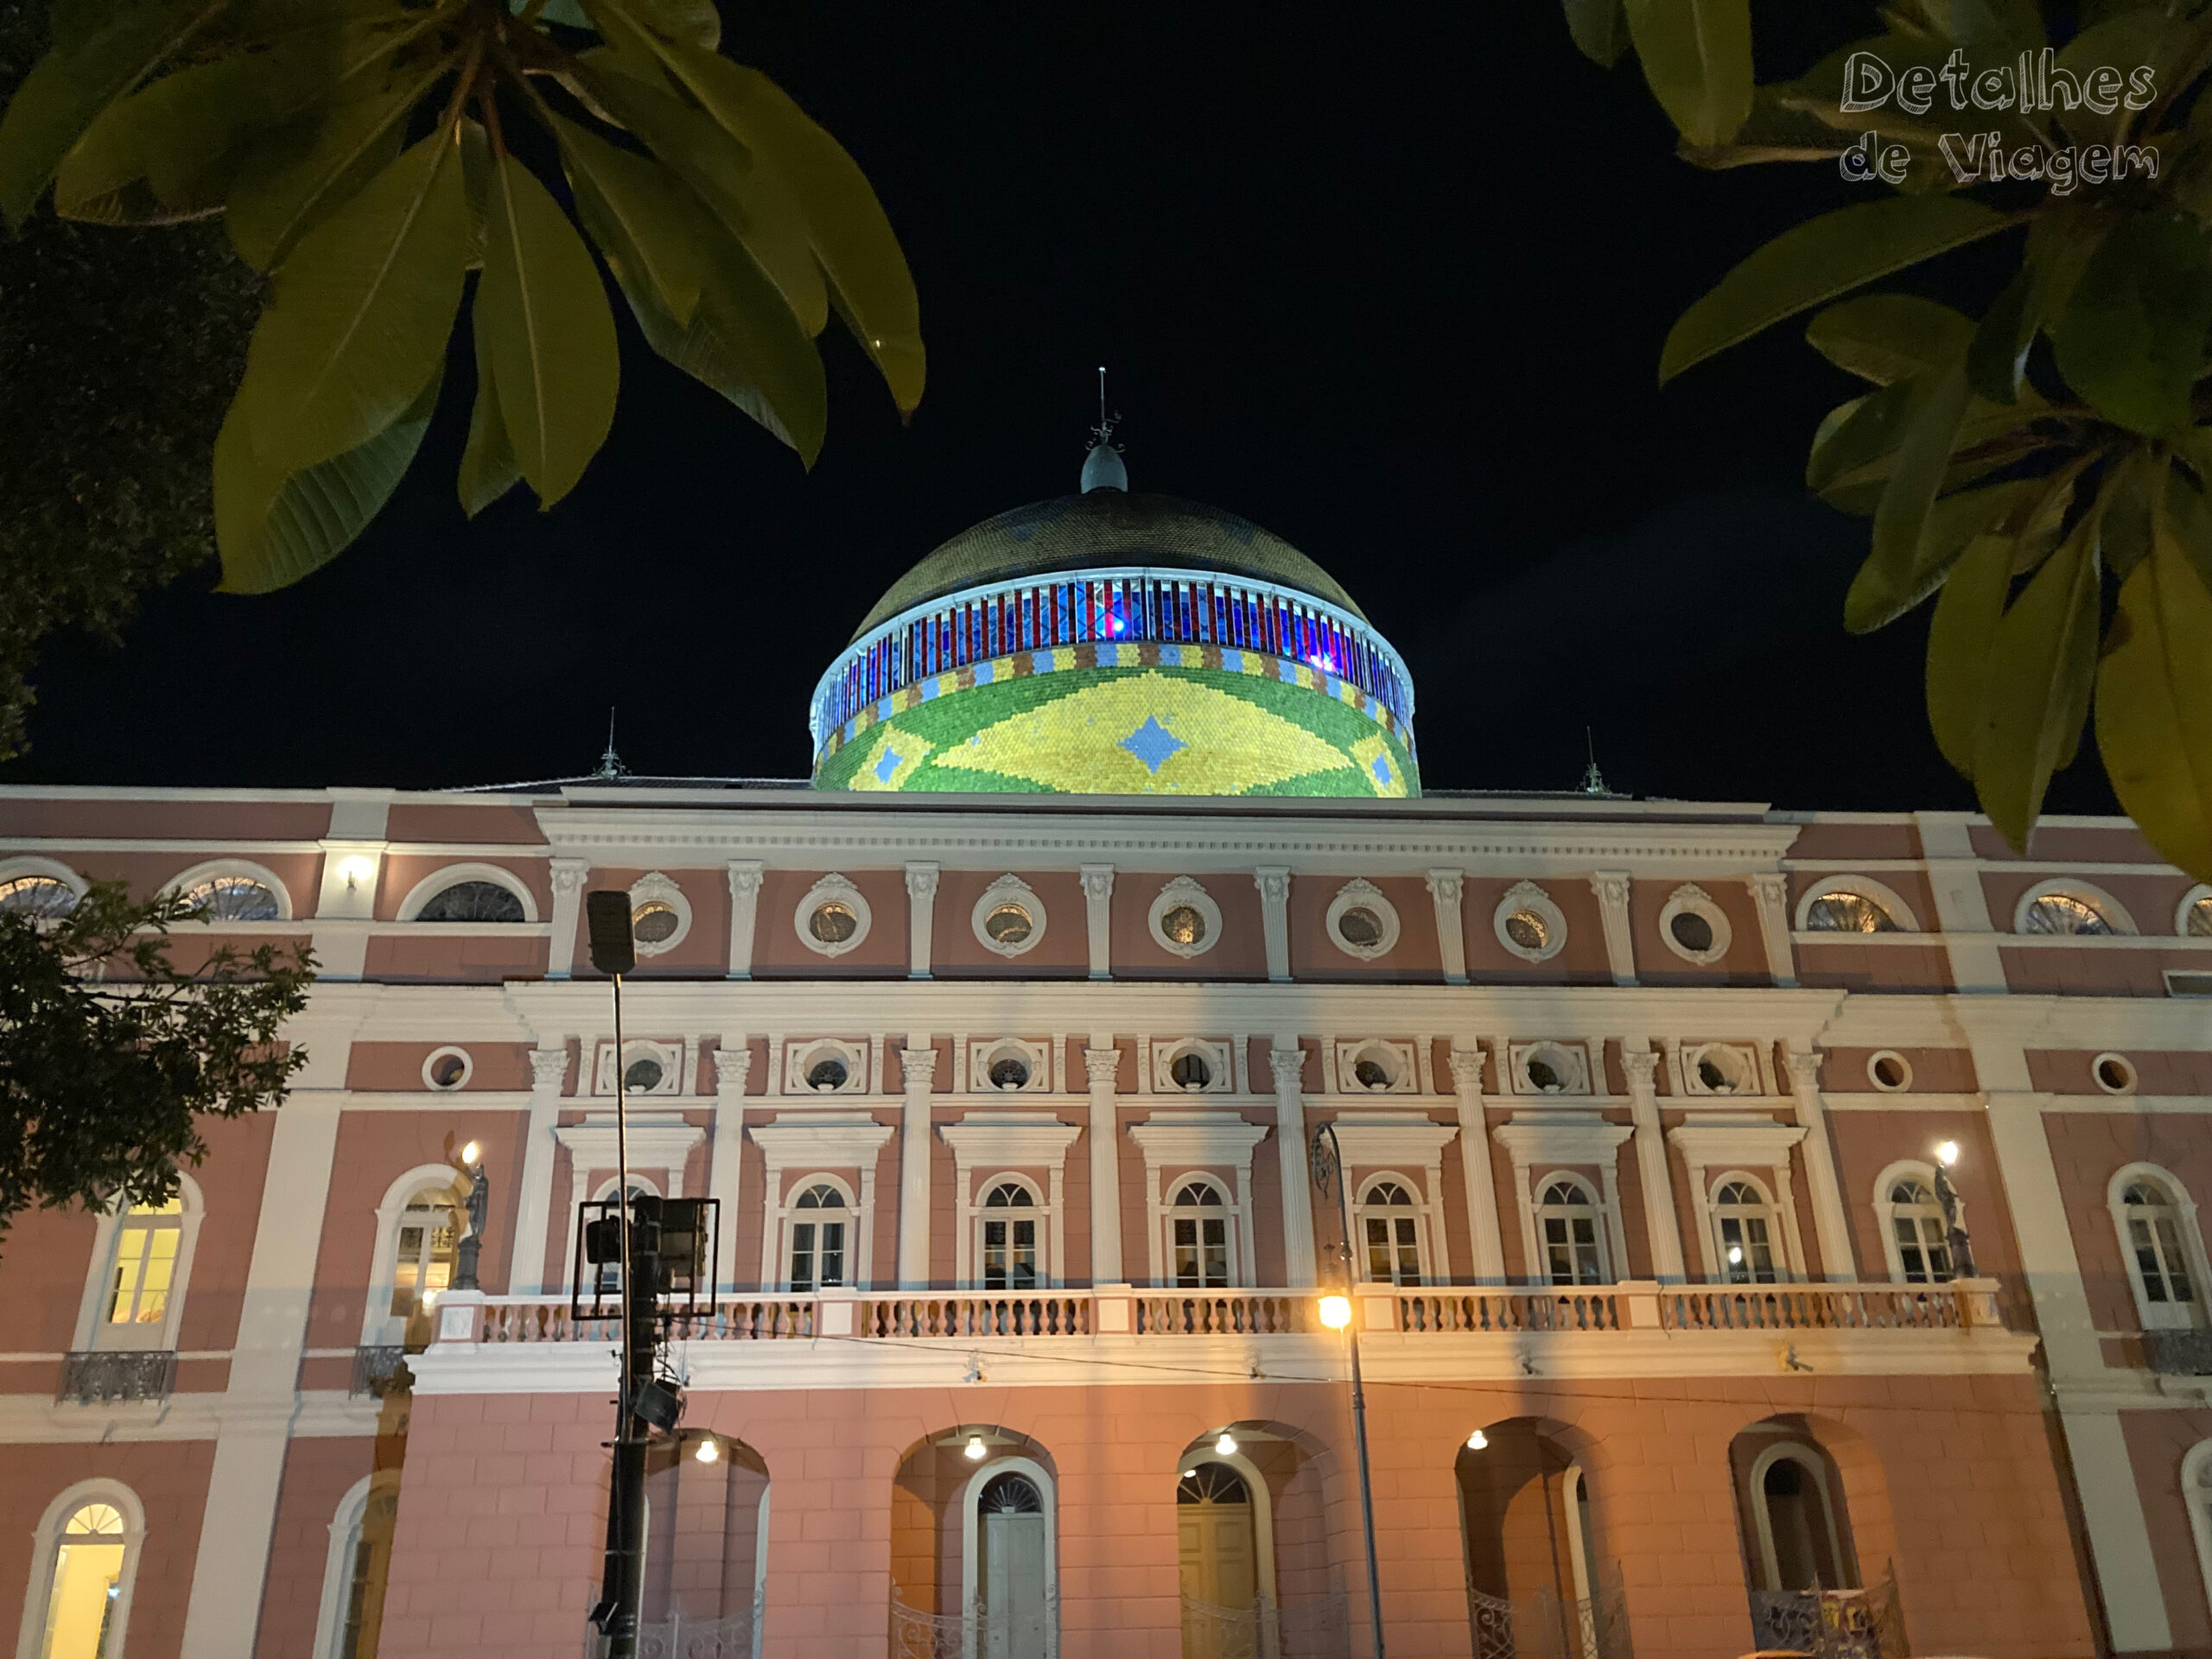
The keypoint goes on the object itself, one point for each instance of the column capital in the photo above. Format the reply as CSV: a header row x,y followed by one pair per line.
x,y
1641,1065
921,880
1610,886
1101,1065
549,1069
1467,1069
1272,881
1098,881
1446,885
733,1069
1289,1067
1805,1071
1770,886
569,873
744,877
918,1067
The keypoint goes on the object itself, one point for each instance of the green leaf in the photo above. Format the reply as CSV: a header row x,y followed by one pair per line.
x,y
272,530
2014,25
1997,358
1886,338
488,470
2132,338
1894,577
2129,501
845,224
67,90
2154,705
1599,28
639,212
705,152
2041,666
361,313
1886,587
2149,36
1818,260
1847,444
542,311
287,181
1959,639
1697,59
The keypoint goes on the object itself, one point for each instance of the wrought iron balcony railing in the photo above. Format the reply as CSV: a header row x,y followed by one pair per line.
x,y
377,1369
120,1376
2178,1353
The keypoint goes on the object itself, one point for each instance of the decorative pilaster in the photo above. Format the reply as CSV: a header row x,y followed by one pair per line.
x,y
921,918
1097,915
743,912
1289,1066
1660,1222
918,1066
1611,889
1100,1066
568,876
1273,883
1831,1225
733,1071
1770,889
548,1070
1445,890
1474,1162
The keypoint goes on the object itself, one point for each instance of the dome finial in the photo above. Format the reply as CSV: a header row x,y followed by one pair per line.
x,y
1101,467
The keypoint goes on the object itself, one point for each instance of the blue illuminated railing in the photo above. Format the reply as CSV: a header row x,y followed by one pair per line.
x,y
1102,608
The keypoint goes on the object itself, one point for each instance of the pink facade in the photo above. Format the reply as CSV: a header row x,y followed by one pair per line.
x,y
1647,1209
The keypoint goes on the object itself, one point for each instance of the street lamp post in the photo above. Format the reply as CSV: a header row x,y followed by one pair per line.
x,y
1327,1160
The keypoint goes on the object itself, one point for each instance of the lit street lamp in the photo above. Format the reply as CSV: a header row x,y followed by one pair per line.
x,y
1327,1159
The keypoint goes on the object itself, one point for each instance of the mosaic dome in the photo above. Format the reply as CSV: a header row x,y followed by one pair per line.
x,y
1116,643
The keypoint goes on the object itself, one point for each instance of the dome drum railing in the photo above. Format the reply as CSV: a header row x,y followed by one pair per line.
x,y
1113,607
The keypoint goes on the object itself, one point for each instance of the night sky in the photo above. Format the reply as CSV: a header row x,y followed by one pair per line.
x,y
1389,282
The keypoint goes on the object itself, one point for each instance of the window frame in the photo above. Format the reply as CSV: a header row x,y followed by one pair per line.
x,y
346,1524
1415,1209
2087,892
1526,895
792,1218
215,869
1689,898
452,876
1226,1210
2195,896
985,1213
377,1320
45,1545
1360,893
1601,1230
971,1536
1009,889
1766,1209
2160,1316
1906,918
15,869
2196,1494
107,1236
1885,1213
833,888
1184,890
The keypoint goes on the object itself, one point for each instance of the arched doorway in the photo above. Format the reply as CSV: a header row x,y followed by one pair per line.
x,y
1013,1590
974,1547
1534,1583
1795,1480
1217,1539
705,1543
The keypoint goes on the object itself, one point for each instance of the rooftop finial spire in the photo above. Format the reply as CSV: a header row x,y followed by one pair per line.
x,y
610,764
1593,781
1102,468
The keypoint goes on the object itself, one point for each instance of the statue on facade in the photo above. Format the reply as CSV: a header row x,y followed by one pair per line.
x,y
479,1204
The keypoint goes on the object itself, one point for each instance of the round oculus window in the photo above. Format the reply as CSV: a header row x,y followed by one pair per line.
x,y
643,1076
1527,930
827,1074
655,922
1371,1074
448,1071
833,923
1545,1077
1692,931
1190,1071
2114,1075
1009,924
1184,924
1360,928
2200,919
1010,1074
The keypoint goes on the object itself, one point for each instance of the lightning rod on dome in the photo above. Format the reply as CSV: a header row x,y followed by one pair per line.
x,y
610,764
1593,781
1102,468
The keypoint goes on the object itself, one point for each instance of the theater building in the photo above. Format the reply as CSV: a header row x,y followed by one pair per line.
x,y
1001,1043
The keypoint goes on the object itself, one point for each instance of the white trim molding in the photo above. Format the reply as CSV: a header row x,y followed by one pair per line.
x,y
1181,892
92,1330
832,889
1526,897
1907,919
1379,1145
1360,893
1691,900
1196,1143
1008,890
1396,1061
655,888
800,1059
1034,1057
459,1080
46,1544
1569,1062
2168,1315
1710,1142
2087,892
2196,1494
1013,1142
1216,1057
2189,900
1568,1140
452,876
215,869
346,1524
817,1142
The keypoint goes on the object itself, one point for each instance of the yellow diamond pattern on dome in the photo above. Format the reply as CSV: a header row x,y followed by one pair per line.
x,y
891,762
1144,734
1379,767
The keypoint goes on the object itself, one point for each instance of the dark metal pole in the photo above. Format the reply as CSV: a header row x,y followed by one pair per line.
x,y
1327,1163
626,1556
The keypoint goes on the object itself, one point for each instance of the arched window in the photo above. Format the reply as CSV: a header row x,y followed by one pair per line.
x,y
1799,1542
2069,907
1743,1222
1198,1238
1007,1244
1915,1237
816,1252
355,1575
2196,1492
1390,1231
471,901
1846,912
234,898
83,1562
1571,1230
2166,1258
142,1275
41,898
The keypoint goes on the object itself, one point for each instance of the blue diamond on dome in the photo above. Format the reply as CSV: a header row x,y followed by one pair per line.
x,y
1381,769
1153,743
889,765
